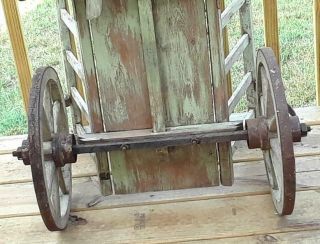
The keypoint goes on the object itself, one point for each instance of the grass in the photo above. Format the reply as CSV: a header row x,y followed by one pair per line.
x,y
42,38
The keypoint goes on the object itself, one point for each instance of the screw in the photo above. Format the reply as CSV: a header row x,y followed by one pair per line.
x,y
124,147
195,141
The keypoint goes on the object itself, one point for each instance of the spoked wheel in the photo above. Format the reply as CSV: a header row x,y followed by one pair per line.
x,y
47,122
279,157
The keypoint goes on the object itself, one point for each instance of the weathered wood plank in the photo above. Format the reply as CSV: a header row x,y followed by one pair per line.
x,y
218,218
20,53
82,105
250,179
293,236
249,55
14,171
219,87
186,130
230,11
239,92
271,26
75,64
236,52
120,68
66,45
152,65
90,84
184,74
70,22
226,50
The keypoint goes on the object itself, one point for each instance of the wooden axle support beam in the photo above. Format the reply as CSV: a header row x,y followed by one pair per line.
x,y
186,135
176,136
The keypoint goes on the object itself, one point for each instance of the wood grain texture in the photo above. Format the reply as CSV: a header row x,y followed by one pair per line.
x,y
174,222
271,26
14,171
68,45
121,43
226,51
152,65
92,94
249,55
20,53
220,91
120,66
250,179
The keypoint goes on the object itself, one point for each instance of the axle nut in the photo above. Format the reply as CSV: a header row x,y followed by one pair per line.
x,y
258,133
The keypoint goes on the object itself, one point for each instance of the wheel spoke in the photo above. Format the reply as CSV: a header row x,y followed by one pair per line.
x,y
47,109
55,195
50,171
62,182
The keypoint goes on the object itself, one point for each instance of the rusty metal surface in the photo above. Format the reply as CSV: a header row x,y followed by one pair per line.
x,y
51,214
258,133
279,159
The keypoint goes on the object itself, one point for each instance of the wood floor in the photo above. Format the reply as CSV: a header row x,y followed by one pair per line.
x,y
240,214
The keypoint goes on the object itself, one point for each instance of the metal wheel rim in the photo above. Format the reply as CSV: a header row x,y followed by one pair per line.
x,y
53,194
279,160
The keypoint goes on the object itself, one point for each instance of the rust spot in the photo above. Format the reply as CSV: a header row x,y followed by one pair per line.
x,y
75,220
135,95
118,6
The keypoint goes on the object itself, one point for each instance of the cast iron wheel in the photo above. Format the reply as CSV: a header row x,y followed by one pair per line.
x,y
48,118
279,159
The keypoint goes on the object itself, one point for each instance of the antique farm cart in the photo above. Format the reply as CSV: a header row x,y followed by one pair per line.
x,y
155,107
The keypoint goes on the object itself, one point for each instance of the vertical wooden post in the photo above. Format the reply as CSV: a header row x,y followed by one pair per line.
x,y
271,26
316,13
226,52
20,54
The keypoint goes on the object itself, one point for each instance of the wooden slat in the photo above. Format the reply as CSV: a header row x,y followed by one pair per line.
x,y
19,49
316,23
236,52
239,92
271,26
249,54
70,22
219,87
175,222
66,45
90,84
14,171
10,143
250,179
230,11
82,105
226,51
75,64
171,131
291,236
152,65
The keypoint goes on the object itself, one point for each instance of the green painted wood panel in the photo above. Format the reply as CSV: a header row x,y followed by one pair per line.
x,y
184,69
184,61
120,66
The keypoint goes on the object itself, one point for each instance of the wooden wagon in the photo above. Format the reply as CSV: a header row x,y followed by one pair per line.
x,y
149,98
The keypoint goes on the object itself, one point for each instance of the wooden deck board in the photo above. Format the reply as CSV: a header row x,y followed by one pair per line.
x,y
242,213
